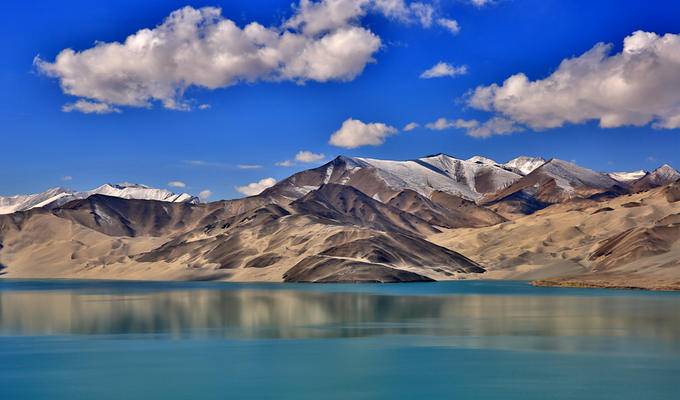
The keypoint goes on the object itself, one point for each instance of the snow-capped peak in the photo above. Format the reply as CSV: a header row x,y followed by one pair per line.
x,y
568,175
482,160
627,177
134,191
127,185
525,164
667,172
16,203
441,172
59,196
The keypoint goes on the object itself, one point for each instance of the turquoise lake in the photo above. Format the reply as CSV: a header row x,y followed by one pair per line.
x,y
455,340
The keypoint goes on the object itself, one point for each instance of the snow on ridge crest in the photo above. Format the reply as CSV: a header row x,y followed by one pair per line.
x,y
58,196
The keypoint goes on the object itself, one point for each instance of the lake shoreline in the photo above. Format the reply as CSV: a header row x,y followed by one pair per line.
x,y
588,283
594,282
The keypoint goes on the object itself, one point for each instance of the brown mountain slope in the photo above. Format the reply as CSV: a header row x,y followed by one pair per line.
x,y
554,182
575,240
445,210
664,175
349,206
637,243
358,238
341,170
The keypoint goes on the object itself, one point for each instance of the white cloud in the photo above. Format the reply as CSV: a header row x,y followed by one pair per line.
x,y
481,3
256,188
177,184
285,163
204,106
66,178
314,17
204,195
199,47
354,133
474,128
322,41
423,13
493,126
442,69
308,157
465,123
90,107
249,166
440,124
638,86
449,24
410,126
203,163
302,156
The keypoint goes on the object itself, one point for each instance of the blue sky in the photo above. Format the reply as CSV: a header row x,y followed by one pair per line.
x,y
270,120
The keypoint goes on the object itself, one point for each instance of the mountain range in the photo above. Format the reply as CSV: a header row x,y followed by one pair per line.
x,y
365,220
58,196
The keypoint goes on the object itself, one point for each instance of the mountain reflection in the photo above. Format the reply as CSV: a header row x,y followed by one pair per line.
x,y
306,314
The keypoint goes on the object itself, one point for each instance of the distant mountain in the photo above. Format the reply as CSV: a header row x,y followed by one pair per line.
x,y
524,165
383,179
553,182
627,177
59,196
13,204
661,176
445,210
358,220
348,205
482,160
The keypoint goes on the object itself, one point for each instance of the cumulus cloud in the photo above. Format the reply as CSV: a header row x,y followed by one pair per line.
x,y
355,133
493,126
199,47
302,156
204,195
67,178
177,184
90,107
204,106
410,126
415,12
256,188
248,166
441,124
475,128
449,24
638,86
442,69
322,41
309,157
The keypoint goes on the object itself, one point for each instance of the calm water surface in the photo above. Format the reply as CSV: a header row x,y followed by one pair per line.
x,y
462,340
